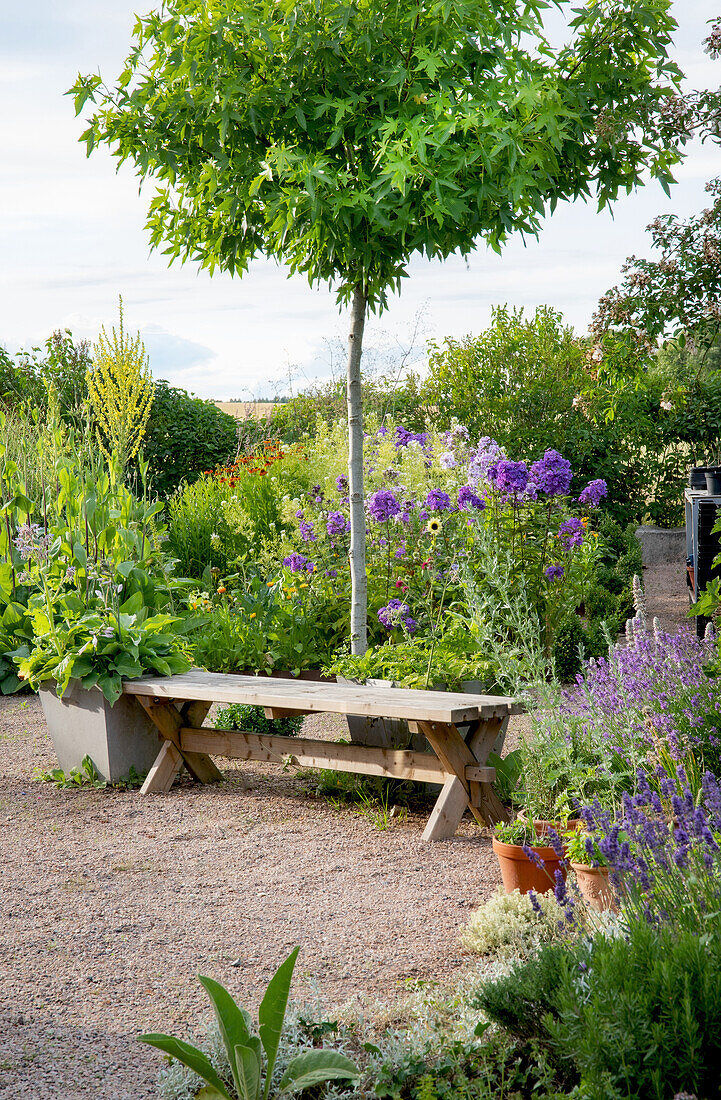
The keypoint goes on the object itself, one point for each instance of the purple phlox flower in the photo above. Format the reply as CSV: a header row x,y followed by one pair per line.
x,y
593,493
570,533
331,572
554,572
486,455
468,499
306,531
316,494
508,477
298,563
341,483
551,474
423,515
383,505
382,431
400,552
404,438
397,613
438,501
337,524
448,460
299,514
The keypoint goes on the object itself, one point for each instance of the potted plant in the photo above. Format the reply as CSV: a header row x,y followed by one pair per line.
x,y
525,864
591,870
98,607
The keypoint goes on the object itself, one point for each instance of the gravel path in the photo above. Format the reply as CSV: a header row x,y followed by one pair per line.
x,y
110,905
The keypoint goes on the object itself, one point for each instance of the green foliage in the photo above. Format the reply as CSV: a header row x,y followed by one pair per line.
x,y
185,436
384,397
517,832
413,131
240,716
264,627
516,383
523,1000
644,1018
418,663
568,648
252,1074
85,776
51,377
196,527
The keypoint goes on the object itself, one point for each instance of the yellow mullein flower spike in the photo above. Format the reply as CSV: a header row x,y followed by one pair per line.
x,y
120,393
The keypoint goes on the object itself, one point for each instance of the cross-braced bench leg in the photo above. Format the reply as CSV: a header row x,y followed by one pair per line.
x,y
458,793
169,720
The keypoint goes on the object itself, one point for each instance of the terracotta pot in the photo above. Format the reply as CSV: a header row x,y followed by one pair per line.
x,y
520,873
594,887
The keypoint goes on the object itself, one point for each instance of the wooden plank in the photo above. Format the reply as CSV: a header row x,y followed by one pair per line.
x,y
282,712
162,775
481,742
334,755
480,775
308,696
169,720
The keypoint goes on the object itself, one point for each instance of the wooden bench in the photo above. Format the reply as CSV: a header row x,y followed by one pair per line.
x,y
178,706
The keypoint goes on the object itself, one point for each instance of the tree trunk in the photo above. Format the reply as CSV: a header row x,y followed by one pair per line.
x,y
357,554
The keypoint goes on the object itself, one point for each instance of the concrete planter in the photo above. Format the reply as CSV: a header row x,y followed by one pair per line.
x,y
83,723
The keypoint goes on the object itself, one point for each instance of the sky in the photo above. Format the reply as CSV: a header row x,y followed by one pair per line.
x,y
72,236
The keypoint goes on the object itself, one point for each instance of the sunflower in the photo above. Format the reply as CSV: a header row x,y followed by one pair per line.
x,y
433,526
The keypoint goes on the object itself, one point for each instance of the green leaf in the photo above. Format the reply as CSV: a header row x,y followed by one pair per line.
x,y
271,1013
233,1021
190,1056
247,1066
316,1066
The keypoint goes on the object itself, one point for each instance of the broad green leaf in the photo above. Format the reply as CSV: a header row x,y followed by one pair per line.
x,y
316,1066
233,1021
247,1063
190,1056
271,1013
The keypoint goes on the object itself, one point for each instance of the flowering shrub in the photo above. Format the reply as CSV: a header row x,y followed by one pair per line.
x,y
431,501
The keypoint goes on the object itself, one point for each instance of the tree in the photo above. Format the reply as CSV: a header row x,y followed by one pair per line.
x,y
345,136
678,293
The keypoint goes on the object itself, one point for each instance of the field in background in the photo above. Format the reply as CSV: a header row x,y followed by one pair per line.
x,y
242,410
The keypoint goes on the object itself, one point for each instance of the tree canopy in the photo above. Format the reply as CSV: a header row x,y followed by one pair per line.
x,y
343,137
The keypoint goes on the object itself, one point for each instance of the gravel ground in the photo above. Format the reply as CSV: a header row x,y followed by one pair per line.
x,y
110,904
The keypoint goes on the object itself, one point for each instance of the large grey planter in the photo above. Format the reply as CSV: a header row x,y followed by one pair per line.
x,y
83,723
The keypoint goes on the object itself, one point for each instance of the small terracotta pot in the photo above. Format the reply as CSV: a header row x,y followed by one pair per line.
x,y
520,873
594,887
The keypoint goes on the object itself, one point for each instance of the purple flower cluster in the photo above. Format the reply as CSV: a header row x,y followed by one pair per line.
x,y
554,572
306,531
664,870
487,454
32,541
508,477
551,474
404,437
383,505
298,563
438,501
570,533
395,614
468,499
341,484
651,698
593,493
337,524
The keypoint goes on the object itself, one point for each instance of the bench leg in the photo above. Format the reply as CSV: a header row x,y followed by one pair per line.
x,y
171,758
163,773
457,794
